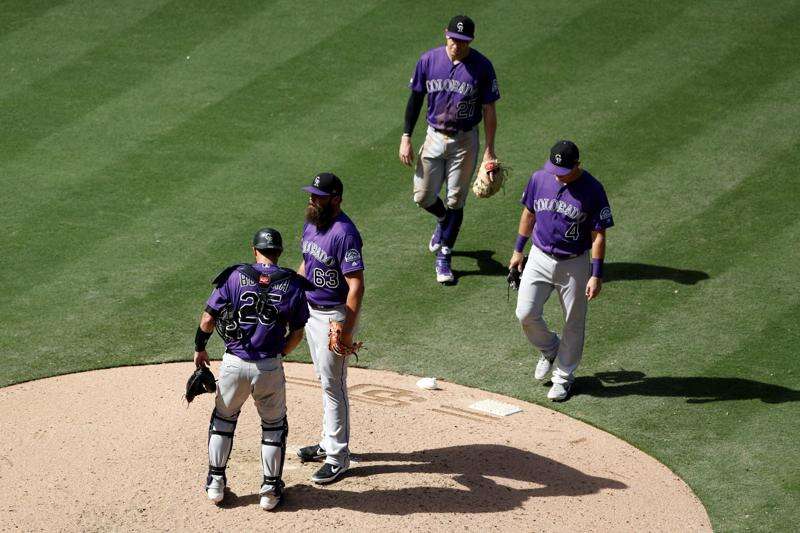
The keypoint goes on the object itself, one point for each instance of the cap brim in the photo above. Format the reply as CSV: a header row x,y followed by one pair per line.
x,y
554,169
314,190
454,35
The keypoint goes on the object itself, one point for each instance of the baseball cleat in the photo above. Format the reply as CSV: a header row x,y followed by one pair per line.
x,y
443,272
270,496
436,239
543,367
559,392
311,453
328,473
215,489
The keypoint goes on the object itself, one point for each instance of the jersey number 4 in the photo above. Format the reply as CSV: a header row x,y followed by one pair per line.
x,y
572,233
325,278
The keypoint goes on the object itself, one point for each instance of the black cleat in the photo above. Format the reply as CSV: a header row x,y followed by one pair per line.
x,y
328,473
311,453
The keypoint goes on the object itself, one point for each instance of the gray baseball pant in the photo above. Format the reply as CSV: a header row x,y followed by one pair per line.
x,y
568,277
446,159
331,371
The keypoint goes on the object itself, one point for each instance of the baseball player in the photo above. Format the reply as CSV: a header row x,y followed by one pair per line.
x,y
332,262
567,210
462,89
260,310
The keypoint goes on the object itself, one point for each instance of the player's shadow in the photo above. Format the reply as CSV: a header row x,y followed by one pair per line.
x,y
491,478
487,265
620,271
694,389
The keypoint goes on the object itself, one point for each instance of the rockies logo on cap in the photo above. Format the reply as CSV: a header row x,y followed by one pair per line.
x,y
460,26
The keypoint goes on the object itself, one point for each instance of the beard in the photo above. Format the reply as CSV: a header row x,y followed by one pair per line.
x,y
321,217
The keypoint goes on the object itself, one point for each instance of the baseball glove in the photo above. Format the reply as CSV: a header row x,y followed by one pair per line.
x,y
336,343
491,177
201,381
514,277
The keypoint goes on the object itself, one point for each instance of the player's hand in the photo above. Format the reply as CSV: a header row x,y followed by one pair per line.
x,y
201,358
489,155
516,261
406,151
593,287
346,338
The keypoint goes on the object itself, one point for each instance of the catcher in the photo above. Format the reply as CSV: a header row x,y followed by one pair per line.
x,y
260,311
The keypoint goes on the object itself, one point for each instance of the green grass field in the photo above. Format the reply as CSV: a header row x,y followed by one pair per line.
x,y
144,142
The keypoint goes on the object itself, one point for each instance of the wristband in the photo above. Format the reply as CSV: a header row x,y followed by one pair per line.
x,y
597,268
406,135
200,340
522,240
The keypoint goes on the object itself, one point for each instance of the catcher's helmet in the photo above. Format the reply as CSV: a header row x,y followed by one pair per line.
x,y
268,239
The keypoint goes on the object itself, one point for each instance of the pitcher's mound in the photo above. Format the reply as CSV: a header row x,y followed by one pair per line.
x,y
119,450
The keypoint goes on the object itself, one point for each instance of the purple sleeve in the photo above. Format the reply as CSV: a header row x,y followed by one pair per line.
x,y
299,312
601,218
529,194
218,298
417,82
489,91
348,254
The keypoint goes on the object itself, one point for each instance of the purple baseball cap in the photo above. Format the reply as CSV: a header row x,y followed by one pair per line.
x,y
325,184
564,156
461,27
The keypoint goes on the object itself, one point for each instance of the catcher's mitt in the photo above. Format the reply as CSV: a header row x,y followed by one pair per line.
x,y
491,177
337,345
201,381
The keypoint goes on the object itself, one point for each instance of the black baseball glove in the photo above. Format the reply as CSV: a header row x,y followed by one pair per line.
x,y
201,381
515,275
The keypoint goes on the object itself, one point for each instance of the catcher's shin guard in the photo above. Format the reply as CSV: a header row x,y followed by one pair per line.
x,y
273,451
220,443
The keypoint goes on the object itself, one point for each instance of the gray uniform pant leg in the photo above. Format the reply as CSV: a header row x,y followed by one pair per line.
x,y
445,159
332,373
238,380
568,278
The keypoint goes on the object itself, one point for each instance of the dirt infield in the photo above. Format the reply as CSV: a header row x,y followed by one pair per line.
x,y
119,450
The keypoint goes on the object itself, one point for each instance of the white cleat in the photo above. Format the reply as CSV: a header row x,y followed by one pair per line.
x,y
559,392
216,489
270,496
268,502
543,367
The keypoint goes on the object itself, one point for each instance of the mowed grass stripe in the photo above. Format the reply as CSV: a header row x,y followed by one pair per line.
x,y
21,13
712,241
112,67
56,34
61,166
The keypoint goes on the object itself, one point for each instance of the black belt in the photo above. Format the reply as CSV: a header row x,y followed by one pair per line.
x,y
323,307
451,133
559,257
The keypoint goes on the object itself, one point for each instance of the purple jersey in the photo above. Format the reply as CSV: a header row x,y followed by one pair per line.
x,y
327,256
566,214
456,91
264,324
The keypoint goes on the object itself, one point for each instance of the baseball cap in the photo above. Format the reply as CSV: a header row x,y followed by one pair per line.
x,y
461,27
325,184
564,156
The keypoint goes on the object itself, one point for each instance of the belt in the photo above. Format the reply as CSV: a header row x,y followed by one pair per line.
x,y
323,307
560,257
451,133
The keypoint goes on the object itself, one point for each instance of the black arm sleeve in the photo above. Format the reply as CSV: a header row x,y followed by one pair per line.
x,y
413,107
